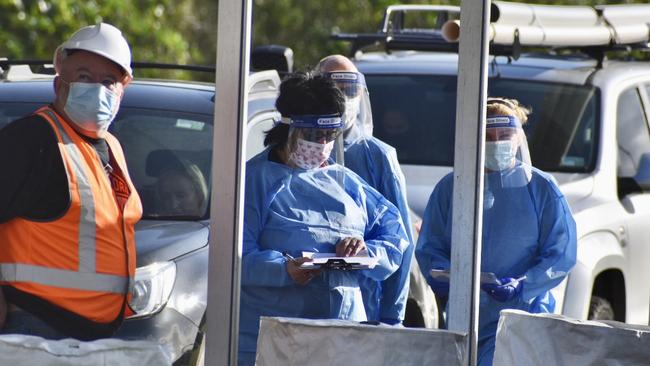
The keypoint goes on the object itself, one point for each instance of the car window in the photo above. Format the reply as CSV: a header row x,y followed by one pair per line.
x,y
169,155
256,134
416,114
12,111
561,129
631,132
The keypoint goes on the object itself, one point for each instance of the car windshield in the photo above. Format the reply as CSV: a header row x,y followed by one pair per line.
x,y
169,155
416,114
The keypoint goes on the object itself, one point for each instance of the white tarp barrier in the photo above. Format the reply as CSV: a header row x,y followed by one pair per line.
x,y
22,350
550,340
299,342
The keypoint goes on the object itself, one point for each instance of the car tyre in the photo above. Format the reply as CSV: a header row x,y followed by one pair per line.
x,y
198,353
413,317
600,309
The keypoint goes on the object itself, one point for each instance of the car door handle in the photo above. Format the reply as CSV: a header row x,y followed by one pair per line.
x,y
622,237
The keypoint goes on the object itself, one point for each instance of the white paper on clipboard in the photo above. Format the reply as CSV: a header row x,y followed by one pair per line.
x,y
322,260
442,275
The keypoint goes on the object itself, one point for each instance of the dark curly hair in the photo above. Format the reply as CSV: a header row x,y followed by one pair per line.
x,y
304,94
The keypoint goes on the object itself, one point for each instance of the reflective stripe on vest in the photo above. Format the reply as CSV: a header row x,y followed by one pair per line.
x,y
86,277
87,245
16,272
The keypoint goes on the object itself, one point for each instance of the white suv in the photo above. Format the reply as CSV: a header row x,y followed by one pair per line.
x,y
589,128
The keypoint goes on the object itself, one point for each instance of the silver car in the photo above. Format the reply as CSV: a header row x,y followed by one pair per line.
x,y
589,128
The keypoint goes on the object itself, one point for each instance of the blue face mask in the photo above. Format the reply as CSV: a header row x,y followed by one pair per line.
x,y
499,155
91,106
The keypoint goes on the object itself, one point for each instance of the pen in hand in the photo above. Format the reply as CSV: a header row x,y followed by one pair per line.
x,y
288,257
300,275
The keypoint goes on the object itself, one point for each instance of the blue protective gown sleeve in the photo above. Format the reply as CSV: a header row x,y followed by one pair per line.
x,y
259,267
376,162
557,238
386,236
433,248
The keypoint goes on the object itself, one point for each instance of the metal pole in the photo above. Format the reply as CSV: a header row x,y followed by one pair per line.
x,y
467,203
228,169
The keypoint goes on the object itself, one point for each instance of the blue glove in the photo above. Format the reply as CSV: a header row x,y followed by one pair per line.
x,y
510,289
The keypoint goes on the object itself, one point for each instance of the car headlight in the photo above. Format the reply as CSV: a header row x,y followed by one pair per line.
x,y
153,285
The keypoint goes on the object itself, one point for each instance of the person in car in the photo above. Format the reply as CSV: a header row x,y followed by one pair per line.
x,y
67,205
182,191
375,162
297,201
529,235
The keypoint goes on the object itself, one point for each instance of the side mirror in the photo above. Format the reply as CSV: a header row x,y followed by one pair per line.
x,y
642,176
272,57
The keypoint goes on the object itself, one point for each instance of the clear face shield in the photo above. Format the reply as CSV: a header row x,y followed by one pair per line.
x,y
358,113
312,138
507,158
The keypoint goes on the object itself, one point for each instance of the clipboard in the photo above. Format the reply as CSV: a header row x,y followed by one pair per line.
x,y
329,261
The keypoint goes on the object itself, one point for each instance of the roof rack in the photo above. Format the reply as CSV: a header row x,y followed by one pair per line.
x,y
515,27
393,33
20,69
46,67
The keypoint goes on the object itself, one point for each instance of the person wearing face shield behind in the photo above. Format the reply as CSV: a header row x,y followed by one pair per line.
x,y
296,201
529,235
375,162
67,205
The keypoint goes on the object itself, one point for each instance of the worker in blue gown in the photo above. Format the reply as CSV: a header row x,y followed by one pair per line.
x,y
297,201
529,235
375,162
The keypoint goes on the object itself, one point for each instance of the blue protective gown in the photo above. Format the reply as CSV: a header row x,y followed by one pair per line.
x,y
376,162
527,230
293,210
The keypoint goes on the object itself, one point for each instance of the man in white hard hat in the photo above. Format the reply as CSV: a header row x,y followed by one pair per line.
x,y
67,205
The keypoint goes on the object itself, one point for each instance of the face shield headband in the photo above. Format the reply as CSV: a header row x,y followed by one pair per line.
x,y
503,121
358,116
328,121
350,83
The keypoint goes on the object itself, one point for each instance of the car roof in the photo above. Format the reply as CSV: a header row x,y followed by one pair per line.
x,y
570,69
190,96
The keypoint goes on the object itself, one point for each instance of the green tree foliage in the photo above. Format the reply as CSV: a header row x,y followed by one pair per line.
x,y
184,31
306,26
32,29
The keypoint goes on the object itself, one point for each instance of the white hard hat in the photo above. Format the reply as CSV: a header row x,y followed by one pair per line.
x,y
102,39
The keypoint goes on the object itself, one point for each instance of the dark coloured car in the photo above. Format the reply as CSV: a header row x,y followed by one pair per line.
x,y
164,127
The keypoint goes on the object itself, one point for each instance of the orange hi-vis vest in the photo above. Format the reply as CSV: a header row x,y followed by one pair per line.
x,y
83,261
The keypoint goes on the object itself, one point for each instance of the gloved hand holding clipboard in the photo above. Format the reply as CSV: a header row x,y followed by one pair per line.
x,y
487,278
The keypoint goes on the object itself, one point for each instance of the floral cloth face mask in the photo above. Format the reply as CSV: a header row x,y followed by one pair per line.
x,y
310,155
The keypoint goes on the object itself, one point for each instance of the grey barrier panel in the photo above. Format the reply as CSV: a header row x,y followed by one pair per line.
x,y
299,342
555,340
